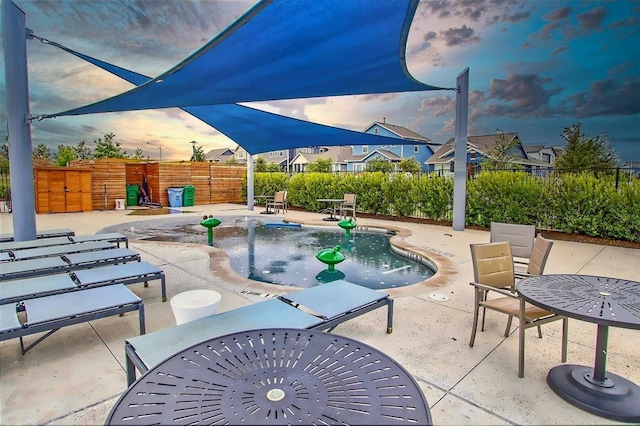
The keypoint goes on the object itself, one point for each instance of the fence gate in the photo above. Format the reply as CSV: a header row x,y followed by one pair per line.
x,y
62,190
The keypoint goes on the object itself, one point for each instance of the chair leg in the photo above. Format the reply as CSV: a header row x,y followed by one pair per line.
x,y
475,316
539,333
484,310
508,329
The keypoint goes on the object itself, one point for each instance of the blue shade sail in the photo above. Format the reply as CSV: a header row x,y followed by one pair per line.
x,y
254,130
285,49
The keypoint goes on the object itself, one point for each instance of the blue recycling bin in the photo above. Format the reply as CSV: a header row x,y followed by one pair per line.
x,y
175,196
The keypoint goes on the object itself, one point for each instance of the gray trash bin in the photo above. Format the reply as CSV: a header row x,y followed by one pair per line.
x,y
175,196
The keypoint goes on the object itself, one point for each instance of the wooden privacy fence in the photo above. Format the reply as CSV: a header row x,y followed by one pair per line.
x,y
213,183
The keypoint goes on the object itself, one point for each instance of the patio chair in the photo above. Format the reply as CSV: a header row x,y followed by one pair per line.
x,y
348,205
41,252
493,272
279,201
50,313
519,236
319,308
538,259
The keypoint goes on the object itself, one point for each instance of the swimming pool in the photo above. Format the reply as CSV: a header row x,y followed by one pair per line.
x,y
285,255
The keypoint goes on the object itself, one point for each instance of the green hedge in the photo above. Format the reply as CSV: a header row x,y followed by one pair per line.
x,y
573,203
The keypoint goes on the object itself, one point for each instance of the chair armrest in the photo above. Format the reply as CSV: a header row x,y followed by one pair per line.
x,y
496,289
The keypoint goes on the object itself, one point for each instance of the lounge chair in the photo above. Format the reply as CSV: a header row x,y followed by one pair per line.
x,y
129,273
50,233
112,237
41,252
66,263
50,313
321,307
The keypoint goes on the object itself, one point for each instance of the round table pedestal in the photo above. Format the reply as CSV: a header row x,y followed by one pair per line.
x,y
617,398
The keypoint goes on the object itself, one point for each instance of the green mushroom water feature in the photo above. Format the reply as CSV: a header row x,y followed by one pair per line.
x,y
330,257
347,225
209,222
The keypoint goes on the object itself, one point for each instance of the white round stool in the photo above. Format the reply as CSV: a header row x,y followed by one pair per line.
x,y
194,304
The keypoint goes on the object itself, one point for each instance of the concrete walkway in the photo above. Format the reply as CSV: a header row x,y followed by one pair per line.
x,y
76,375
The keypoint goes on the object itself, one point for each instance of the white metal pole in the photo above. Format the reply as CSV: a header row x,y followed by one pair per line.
x,y
460,151
250,182
20,152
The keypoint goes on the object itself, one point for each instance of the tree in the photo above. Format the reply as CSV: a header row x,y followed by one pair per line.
x,y
4,152
321,165
138,154
198,154
41,155
65,155
501,155
83,152
108,148
409,165
260,165
583,152
232,160
379,165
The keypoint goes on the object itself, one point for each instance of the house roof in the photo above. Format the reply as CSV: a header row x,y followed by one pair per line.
x,y
401,132
383,152
481,144
221,154
337,154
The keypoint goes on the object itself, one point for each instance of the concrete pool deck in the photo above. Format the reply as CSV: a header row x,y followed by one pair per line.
x,y
76,375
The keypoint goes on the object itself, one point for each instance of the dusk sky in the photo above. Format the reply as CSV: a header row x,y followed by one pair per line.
x,y
535,68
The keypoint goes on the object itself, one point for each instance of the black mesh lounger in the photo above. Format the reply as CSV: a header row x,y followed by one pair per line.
x,y
327,309
65,263
48,233
50,313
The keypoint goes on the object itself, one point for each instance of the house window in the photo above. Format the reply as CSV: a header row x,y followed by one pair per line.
x,y
472,155
358,167
365,149
375,131
281,153
270,154
416,149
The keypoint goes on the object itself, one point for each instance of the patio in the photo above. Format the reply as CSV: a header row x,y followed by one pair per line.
x,y
76,375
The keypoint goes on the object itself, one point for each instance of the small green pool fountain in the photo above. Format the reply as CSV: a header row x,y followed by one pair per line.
x,y
330,257
347,225
209,222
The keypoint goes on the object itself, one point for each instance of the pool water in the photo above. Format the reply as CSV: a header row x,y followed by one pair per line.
x,y
286,255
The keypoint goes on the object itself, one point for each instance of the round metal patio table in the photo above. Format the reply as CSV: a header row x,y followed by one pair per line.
x,y
275,376
606,302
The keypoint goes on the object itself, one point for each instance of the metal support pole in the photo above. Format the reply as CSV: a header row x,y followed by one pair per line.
x,y
19,122
250,182
460,151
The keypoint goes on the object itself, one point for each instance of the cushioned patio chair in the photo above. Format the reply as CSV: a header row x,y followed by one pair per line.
x,y
321,307
50,313
493,272
40,252
348,205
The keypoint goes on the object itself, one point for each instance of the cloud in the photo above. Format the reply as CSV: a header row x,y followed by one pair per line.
x,y
438,106
606,97
459,36
592,19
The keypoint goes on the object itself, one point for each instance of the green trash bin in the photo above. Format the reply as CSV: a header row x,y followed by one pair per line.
x,y
132,195
188,195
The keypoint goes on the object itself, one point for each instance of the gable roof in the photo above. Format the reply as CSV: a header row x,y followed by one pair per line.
x,y
401,132
220,154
